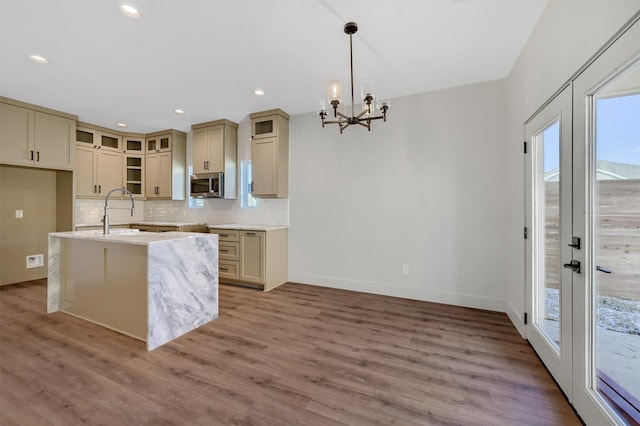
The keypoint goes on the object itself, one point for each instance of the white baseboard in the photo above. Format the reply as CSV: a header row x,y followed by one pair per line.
x,y
394,290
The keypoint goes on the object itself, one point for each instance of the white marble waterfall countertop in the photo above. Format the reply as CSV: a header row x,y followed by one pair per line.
x,y
126,236
151,286
245,227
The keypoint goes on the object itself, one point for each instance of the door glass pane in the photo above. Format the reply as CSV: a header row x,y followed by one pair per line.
x,y
615,175
547,280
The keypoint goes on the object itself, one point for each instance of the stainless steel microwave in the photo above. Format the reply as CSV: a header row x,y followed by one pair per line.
x,y
207,185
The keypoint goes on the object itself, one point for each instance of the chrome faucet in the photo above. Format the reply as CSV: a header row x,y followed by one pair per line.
x,y
105,218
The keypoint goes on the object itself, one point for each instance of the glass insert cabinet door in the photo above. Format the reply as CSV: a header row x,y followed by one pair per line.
x,y
549,216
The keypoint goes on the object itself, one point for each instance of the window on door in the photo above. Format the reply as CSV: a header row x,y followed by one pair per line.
x,y
616,232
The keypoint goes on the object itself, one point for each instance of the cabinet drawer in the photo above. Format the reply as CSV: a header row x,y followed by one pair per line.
x,y
226,234
228,269
229,251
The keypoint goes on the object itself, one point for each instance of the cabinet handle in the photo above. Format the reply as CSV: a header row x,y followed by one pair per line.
x,y
206,165
31,155
224,269
99,189
251,233
37,155
224,251
224,235
95,189
251,187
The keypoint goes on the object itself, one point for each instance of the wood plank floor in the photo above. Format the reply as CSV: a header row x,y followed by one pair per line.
x,y
298,355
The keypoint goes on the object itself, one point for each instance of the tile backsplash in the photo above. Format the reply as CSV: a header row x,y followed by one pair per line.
x,y
90,211
213,211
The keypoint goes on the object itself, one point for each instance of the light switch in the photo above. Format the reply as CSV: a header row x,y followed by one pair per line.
x,y
19,214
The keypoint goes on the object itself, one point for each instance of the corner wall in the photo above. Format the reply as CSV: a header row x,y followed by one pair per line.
x,y
568,33
425,189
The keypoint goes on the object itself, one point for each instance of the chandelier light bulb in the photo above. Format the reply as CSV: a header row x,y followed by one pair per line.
x,y
334,92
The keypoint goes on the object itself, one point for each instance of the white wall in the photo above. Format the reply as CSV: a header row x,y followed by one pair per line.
x,y
568,33
425,189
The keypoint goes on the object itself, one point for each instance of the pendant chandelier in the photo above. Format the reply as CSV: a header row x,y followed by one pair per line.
x,y
334,95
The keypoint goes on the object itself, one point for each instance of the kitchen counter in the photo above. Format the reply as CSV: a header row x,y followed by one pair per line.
x,y
243,227
140,222
151,286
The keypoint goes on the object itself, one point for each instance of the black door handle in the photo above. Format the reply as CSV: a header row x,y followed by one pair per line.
x,y
574,265
601,269
575,243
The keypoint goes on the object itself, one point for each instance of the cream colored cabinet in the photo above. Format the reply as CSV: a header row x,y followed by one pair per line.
x,y
215,149
133,144
158,173
134,175
270,154
134,160
98,162
228,254
165,165
252,255
158,143
257,258
31,136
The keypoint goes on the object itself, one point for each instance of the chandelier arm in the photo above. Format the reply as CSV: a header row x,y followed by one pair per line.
x,y
376,117
335,121
346,117
362,113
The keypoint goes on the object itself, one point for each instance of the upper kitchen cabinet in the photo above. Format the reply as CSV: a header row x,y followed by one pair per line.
x,y
215,149
134,160
134,144
35,136
98,161
270,154
165,165
157,143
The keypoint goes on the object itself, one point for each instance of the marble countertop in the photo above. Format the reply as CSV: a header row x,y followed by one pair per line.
x,y
244,227
141,222
128,236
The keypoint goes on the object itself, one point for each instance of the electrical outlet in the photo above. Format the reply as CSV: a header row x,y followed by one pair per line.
x,y
405,269
35,261
19,214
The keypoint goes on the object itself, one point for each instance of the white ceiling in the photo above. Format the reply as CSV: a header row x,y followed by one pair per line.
x,y
207,56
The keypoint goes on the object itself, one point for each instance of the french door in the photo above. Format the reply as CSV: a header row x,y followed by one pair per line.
x,y
583,256
549,217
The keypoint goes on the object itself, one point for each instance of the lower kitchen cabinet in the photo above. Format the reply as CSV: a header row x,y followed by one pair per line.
x,y
256,258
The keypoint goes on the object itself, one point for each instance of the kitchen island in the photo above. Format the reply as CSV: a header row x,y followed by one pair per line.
x,y
150,286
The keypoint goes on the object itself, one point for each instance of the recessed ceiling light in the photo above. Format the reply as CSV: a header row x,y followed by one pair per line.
x,y
121,124
258,92
178,111
39,59
129,10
